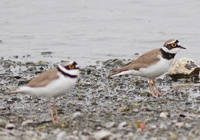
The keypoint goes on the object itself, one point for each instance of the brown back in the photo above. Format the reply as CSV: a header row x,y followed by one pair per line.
x,y
44,78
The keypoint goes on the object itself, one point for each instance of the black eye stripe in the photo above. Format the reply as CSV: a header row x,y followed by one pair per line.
x,y
74,64
69,67
66,74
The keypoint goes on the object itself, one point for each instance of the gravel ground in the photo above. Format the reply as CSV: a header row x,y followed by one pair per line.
x,y
99,107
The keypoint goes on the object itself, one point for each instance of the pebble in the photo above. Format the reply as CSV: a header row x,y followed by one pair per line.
x,y
152,126
184,67
43,63
164,115
30,134
102,134
77,114
179,124
153,138
46,53
110,124
122,125
188,125
3,123
30,63
26,122
10,126
198,98
61,135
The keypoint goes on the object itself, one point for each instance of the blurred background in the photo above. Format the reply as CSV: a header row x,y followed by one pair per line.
x,y
90,30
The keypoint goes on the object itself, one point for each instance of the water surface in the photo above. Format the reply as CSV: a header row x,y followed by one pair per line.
x,y
89,30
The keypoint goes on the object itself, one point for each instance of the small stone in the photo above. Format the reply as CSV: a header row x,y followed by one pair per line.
x,y
119,99
85,132
61,135
3,108
145,94
188,125
30,134
40,127
10,126
152,126
43,63
184,67
102,134
163,115
16,56
153,138
64,125
26,122
120,62
173,135
130,135
122,125
179,124
75,132
137,104
110,124
136,110
3,123
77,114
46,53
198,98
124,108
30,63
56,131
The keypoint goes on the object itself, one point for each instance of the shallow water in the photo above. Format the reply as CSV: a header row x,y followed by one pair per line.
x,y
88,31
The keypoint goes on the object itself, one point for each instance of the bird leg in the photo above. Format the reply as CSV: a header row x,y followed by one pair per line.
x,y
55,109
151,88
157,92
51,114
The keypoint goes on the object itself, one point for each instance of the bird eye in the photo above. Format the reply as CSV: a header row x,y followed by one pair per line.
x,y
71,66
173,44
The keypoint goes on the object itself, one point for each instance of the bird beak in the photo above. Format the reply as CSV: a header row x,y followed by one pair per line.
x,y
181,47
78,68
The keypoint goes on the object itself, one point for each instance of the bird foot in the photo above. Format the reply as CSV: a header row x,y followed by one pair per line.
x,y
55,122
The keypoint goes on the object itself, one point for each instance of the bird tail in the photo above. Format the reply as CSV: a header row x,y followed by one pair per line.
x,y
15,91
117,72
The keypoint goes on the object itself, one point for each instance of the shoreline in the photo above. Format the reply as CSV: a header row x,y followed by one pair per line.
x,y
100,107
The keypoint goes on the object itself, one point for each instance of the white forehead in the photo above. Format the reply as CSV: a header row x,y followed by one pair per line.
x,y
179,43
71,62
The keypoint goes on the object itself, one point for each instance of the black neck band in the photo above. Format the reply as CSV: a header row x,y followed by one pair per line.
x,y
167,55
66,74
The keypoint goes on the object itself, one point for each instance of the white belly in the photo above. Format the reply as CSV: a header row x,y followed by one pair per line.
x,y
57,87
156,70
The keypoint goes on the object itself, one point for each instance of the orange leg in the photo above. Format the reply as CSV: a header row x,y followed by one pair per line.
x,y
55,109
51,114
157,92
151,88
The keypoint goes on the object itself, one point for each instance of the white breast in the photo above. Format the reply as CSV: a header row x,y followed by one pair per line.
x,y
57,87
